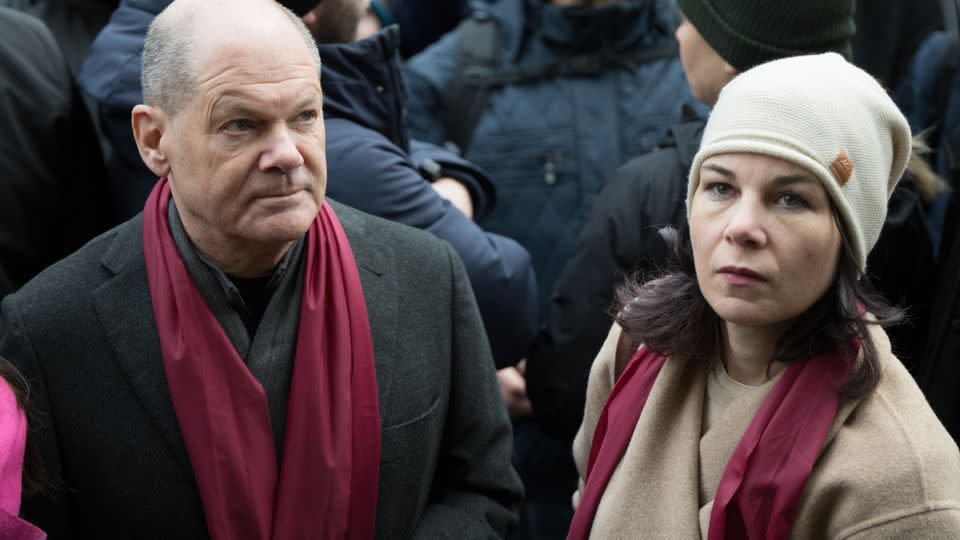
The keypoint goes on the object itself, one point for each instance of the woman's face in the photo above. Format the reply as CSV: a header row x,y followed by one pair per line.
x,y
765,243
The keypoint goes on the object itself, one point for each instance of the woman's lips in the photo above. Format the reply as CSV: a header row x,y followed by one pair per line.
x,y
735,275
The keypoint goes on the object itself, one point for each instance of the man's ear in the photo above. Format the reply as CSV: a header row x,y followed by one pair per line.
x,y
149,125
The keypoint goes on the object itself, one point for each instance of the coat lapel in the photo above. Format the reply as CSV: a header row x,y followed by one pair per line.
x,y
658,475
375,262
126,313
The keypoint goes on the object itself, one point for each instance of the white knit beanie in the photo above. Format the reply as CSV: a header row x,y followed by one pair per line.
x,y
825,115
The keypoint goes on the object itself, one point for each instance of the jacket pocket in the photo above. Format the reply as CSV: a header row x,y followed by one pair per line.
x,y
527,156
536,175
408,436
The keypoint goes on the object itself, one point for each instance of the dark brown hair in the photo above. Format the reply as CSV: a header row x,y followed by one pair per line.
x,y
32,468
670,314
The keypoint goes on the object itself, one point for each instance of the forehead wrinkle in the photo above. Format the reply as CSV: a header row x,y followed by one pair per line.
x,y
257,98
246,66
245,99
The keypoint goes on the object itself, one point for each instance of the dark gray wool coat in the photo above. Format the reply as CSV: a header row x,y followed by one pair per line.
x,y
83,333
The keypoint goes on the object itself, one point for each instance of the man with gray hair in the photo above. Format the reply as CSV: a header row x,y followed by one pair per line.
x,y
231,363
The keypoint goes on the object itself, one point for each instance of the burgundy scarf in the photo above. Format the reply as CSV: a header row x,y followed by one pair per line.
x,y
326,486
762,483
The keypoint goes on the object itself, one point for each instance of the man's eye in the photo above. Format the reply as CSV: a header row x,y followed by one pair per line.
x,y
307,116
239,125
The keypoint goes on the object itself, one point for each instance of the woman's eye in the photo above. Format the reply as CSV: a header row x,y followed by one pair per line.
x,y
791,200
239,125
719,189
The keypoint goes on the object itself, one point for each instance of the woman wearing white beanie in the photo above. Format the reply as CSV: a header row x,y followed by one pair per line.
x,y
764,401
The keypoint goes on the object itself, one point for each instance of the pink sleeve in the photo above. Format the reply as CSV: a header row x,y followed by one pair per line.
x,y
13,437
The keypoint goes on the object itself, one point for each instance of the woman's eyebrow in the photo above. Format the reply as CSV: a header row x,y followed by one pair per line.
x,y
721,170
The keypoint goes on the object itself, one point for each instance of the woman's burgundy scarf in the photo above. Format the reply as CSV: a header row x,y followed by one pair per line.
x,y
763,482
326,485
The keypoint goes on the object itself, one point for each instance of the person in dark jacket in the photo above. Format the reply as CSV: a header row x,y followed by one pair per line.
x,y
423,22
940,369
612,85
373,164
621,235
550,142
74,23
888,34
373,167
52,182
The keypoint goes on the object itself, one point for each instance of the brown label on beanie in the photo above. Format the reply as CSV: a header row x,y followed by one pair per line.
x,y
842,167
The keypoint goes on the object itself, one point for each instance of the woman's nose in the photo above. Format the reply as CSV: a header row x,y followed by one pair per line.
x,y
745,225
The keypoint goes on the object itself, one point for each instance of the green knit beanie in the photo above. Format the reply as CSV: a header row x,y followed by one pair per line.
x,y
746,33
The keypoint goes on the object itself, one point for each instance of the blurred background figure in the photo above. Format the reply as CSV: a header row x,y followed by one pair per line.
x,y
935,95
53,195
549,97
375,166
421,21
74,23
889,33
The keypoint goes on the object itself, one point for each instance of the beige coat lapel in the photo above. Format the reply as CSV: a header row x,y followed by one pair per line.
x,y
657,478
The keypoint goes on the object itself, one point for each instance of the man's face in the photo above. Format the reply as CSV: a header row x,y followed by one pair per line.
x,y
246,154
706,71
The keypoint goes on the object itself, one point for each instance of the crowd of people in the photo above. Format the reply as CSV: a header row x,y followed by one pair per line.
x,y
496,269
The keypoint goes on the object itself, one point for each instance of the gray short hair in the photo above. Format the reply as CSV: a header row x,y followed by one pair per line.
x,y
167,77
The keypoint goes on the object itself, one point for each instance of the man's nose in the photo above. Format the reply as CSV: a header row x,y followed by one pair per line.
x,y
281,153
746,223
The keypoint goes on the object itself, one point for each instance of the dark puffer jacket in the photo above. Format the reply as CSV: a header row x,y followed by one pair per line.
x,y
550,144
939,369
620,237
372,166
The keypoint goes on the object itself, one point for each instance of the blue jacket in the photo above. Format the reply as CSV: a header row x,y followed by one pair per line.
x,y
371,162
550,144
372,166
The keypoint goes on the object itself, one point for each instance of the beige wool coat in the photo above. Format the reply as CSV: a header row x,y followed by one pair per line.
x,y
888,468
